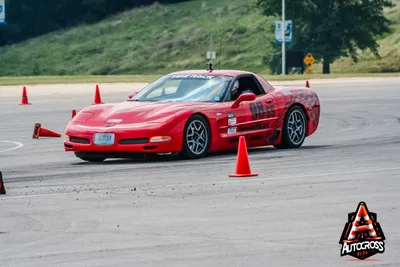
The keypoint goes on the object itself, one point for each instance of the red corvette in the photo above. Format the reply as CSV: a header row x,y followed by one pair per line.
x,y
194,113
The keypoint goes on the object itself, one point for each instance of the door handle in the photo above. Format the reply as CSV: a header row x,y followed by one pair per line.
x,y
268,101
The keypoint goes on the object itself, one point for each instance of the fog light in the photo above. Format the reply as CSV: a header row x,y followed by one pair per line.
x,y
156,139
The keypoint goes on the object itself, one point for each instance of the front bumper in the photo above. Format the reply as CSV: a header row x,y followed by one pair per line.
x,y
126,140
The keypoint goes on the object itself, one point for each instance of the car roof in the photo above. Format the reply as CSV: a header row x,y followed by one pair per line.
x,y
233,73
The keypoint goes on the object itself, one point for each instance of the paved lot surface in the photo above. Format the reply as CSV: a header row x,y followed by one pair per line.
x,y
60,211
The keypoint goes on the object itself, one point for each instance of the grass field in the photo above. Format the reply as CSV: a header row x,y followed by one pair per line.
x,y
158,39
30,80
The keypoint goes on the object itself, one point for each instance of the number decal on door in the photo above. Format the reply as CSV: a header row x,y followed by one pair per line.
x,y
260,112
254,111
270,111
260,109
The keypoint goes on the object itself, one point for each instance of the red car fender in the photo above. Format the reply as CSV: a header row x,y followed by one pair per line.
x,y
308,100
181,119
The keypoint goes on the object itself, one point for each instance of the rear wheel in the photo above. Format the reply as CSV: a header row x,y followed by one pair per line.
x,y
91,157
294,129
196,138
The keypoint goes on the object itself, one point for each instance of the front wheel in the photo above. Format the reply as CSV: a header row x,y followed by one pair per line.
x,y
90,157
294,129
196,138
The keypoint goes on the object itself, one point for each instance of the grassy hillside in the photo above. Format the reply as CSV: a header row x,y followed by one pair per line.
x,y
389,51
159,39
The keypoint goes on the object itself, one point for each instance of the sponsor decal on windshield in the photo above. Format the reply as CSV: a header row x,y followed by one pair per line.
x,y
193,76
216,99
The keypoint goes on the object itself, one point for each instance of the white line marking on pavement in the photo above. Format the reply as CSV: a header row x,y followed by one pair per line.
x,y
18,145
232,180
247,179
32,196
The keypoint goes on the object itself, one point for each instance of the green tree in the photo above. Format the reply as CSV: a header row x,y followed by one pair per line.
x,y
27,19
333,28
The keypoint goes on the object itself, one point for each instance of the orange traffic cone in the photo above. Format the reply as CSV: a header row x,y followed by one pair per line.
x,y
73,113
2,188
97,97
24,100
242,164
38,131
307,84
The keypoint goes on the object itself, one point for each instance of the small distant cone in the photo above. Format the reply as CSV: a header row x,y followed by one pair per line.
x,y
73,113
2,188
38,131
242,164
24,100
97,97
307,84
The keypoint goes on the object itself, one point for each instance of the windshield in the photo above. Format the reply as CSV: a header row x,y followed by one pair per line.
x,y
180,88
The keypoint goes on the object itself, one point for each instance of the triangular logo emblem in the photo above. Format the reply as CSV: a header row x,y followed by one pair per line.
x,y
362,235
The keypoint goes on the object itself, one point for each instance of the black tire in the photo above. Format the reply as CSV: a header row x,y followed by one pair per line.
x,y
187,152
286,141
90,157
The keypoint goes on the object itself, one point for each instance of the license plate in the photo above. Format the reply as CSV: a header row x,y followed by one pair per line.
x,y
104,138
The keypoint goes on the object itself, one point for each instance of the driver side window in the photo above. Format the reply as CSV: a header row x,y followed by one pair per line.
x,y
243,85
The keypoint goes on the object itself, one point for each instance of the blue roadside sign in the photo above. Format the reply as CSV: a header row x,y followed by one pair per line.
x,y
288,31
2,11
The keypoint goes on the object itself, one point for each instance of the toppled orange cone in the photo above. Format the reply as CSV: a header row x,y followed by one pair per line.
x,y
242,164
97,97
24,100
2,188
38,131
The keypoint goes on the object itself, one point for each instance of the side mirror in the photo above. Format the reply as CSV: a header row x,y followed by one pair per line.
x,y
132,94
242,98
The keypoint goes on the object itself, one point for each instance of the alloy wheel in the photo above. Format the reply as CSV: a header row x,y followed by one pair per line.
x,y
296,127
197,137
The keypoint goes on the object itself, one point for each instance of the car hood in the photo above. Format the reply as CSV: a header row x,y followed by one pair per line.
x,y
131,112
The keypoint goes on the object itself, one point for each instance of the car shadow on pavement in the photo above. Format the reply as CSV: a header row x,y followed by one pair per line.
x,y
215,155
267,149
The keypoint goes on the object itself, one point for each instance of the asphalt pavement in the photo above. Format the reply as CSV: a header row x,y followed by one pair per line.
x,y
61,211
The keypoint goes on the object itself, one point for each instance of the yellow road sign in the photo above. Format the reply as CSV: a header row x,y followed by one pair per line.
x,y
309,59
308,71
